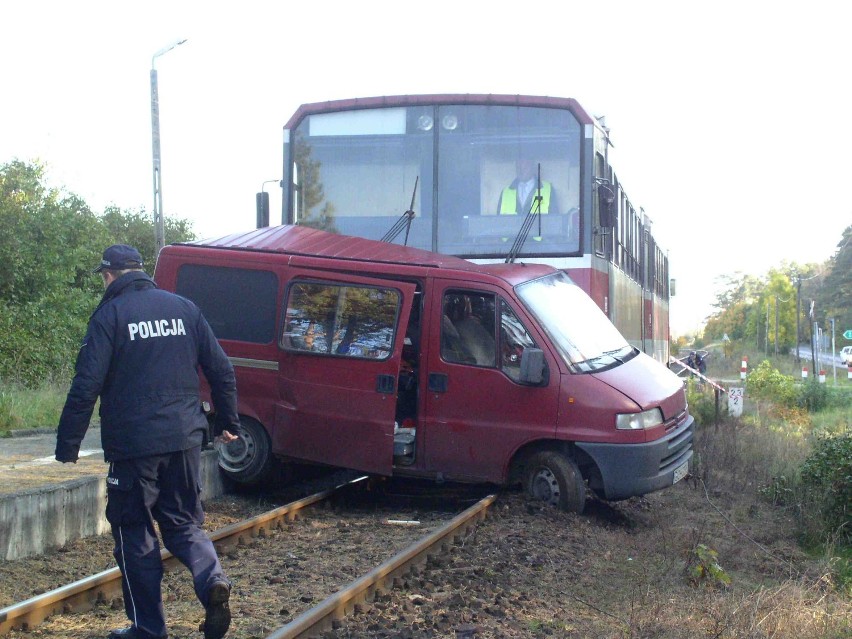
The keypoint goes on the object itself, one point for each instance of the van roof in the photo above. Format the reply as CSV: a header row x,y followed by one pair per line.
x,y
303,240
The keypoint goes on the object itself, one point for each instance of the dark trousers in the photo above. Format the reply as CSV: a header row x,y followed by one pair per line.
x,y
164,488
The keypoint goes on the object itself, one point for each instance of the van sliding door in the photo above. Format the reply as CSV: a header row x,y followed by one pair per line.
x,y
341,347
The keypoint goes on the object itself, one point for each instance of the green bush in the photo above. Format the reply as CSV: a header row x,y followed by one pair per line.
x,y
50,241
827,477
812,396
41,338
766,382
702,403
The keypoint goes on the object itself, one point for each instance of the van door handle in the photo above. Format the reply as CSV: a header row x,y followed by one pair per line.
x,y
385,384
438,382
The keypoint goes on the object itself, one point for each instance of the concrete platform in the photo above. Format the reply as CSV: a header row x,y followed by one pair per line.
x,y
45,504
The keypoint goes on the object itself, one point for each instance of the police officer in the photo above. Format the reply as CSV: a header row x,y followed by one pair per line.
x,y
141,355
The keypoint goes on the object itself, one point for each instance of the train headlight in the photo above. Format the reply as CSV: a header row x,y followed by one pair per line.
x,y
450,122
425,123
638,421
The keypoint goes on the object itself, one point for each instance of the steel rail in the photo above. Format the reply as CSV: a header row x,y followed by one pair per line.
x,y
84,594
321,618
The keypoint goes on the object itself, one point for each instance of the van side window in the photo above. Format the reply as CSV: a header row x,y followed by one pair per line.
x,y
467,328
334,319
239,303
514,338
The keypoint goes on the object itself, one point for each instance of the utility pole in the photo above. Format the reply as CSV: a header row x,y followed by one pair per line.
x,y
766,336
776,326
798,317
814,344
833,352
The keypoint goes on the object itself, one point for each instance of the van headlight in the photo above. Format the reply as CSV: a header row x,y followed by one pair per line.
x,y
638,421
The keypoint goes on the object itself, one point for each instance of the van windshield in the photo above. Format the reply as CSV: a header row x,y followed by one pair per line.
x,y
583,335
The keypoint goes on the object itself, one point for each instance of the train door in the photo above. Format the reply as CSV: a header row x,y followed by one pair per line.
x,y
341,349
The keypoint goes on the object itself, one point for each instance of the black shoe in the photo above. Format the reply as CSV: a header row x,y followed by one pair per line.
x,y
218,617
131,632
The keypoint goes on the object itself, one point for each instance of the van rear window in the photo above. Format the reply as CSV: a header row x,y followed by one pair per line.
x,y
239,304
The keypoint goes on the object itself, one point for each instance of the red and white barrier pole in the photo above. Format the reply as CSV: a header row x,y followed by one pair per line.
x,y
804,372
744,367
822,377
850,372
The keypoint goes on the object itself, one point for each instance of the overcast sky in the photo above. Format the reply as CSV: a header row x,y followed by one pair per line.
x,y
732,121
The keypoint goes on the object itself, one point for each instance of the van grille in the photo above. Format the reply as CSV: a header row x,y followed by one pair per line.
x,y
679,447
676,421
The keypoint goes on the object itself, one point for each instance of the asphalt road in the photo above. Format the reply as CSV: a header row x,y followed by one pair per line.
x,y
826,360
37,450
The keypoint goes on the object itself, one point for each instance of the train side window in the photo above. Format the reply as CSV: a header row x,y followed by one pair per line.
x,y
340,320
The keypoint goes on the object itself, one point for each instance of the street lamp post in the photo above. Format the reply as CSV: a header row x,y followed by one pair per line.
x,y
159,225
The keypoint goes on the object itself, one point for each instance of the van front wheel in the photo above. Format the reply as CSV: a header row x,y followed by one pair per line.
x,y
555,478
248,460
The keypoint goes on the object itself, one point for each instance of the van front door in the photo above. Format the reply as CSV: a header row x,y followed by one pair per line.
x,y
477,411
339,364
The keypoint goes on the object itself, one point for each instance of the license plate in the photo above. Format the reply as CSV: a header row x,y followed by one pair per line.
x,y
681,472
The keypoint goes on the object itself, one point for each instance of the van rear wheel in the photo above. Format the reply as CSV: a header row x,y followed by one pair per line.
x,y
554,478
248,460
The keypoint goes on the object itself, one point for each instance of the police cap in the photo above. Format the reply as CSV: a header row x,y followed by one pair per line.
x,y
119,257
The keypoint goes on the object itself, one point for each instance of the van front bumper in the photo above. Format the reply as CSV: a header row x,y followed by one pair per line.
x,y
627,470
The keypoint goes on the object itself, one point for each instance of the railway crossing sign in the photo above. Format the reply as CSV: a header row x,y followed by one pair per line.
x,y
847,334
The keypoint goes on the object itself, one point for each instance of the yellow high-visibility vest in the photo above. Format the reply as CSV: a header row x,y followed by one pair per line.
x,y
509,200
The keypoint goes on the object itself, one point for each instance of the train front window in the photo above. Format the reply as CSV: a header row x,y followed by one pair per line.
x,y
355,173
456,166
496,164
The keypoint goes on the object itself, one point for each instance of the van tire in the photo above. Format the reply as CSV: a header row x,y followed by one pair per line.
x,y
248,460
554,478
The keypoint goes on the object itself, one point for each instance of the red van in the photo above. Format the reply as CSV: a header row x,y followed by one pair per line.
x,y
397,361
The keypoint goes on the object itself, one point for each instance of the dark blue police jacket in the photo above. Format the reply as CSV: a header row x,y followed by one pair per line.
x,y
141,355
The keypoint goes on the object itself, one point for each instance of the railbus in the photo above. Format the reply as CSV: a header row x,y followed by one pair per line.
x,y
447,173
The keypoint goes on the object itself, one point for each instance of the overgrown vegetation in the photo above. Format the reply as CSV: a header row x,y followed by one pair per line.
x,y
51,240
22,407
792,447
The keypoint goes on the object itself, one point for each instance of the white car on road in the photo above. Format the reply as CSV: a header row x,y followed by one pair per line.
x,y
846,355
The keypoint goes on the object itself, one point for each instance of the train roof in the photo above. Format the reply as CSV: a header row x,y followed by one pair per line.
x,y
492,99
306,241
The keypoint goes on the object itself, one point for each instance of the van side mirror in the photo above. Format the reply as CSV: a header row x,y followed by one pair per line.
x,y
533,369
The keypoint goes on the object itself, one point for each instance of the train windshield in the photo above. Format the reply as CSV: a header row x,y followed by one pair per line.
x,y
583,335
470,173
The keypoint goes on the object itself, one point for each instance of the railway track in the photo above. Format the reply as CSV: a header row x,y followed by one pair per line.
x,y
103,587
